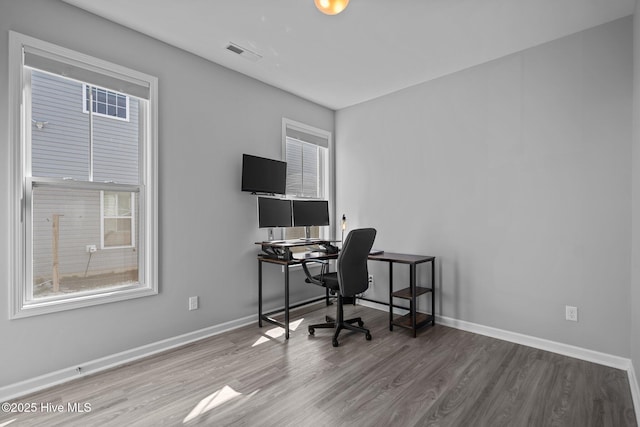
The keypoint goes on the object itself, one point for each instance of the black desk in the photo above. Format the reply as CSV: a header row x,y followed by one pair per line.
x,y
289,259
413,320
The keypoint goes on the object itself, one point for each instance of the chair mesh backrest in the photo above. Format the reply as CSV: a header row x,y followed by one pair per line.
x,y
353,275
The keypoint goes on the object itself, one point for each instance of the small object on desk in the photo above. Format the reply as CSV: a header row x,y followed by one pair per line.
x,y
307,255
276,252
330,249
344,226
375,251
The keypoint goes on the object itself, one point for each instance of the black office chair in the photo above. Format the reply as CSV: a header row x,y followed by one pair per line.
x,y
350,279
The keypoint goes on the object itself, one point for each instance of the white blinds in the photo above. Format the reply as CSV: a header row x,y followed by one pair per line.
x,y
302,168
305,157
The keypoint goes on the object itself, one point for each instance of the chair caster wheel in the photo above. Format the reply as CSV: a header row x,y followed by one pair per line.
x,y
335,343
311,330
360,323
367,337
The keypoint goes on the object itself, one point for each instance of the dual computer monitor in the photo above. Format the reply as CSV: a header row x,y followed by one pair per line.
x,y
292,213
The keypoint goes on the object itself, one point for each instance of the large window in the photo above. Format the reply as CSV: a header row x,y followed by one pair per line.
x,y
83,184
307,153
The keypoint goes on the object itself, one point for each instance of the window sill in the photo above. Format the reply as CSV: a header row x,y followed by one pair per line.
x,y
87,300
106,248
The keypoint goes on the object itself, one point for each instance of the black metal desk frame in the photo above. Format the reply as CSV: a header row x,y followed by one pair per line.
x,y
287,262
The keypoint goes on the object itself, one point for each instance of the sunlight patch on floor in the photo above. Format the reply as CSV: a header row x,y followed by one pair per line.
x,y
212,401
277,332
8,422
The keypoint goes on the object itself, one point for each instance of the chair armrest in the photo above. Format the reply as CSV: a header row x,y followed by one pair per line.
x,y
307,273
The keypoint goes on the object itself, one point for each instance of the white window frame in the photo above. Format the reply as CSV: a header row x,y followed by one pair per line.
x,y
132,217
21,303
95,113
328,182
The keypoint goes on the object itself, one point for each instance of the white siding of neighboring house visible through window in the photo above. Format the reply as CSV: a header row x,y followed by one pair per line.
x,y
60,144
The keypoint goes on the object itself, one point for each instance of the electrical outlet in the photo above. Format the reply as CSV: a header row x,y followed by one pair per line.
x,y
193,303
571,313
371,280
91,249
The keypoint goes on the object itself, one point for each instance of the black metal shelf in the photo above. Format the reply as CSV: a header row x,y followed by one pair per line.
x,y
413,320
422,319
406,292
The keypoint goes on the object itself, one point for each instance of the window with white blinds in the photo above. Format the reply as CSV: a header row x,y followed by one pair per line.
x,y
84,185
304,164
307,152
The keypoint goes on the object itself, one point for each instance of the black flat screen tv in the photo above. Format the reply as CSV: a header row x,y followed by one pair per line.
x,y
308,213
263,176
274,212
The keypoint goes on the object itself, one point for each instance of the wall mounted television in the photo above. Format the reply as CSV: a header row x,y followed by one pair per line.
x,y
263,176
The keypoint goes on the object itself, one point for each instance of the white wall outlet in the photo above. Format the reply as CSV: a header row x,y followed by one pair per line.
x,y
193,303
571,313
371,280
91,249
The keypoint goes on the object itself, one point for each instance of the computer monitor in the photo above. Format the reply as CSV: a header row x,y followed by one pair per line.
x,y
274,212
308,213
265,176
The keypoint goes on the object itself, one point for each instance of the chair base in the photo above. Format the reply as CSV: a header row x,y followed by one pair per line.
x,y
340,324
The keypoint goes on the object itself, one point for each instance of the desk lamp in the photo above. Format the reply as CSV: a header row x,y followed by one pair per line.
x,y
344,226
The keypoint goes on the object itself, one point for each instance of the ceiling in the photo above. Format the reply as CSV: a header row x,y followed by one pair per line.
x,y
373,48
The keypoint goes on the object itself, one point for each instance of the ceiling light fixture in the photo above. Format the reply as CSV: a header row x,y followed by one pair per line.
x,y
331,7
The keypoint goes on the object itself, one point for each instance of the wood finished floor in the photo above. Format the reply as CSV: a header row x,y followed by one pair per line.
x,y
444,377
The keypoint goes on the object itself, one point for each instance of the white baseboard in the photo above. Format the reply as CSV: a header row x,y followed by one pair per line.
x,y
32,385
371,304
539,343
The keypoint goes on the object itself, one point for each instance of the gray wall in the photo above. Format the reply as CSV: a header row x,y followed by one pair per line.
x,y
516,174
208,117
635,243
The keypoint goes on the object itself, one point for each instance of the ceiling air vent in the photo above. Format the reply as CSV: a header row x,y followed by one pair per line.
x,y
245,53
